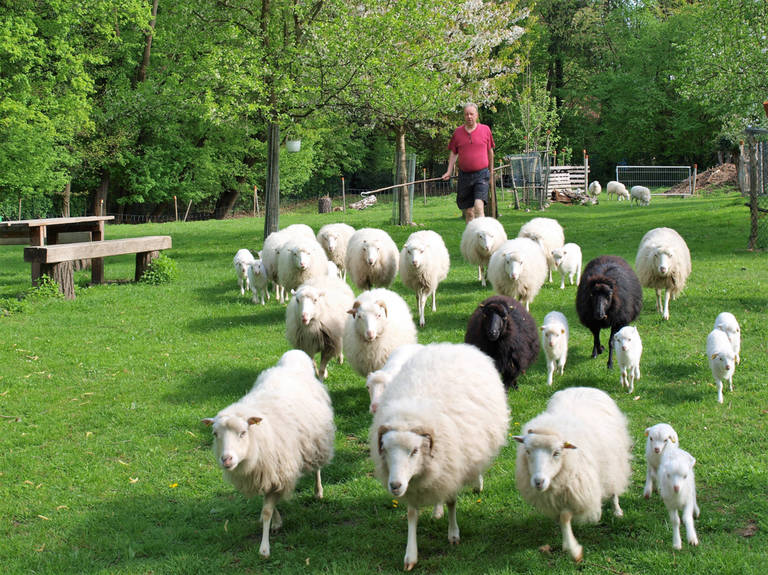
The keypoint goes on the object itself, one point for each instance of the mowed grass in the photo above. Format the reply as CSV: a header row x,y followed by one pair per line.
x,y
109,470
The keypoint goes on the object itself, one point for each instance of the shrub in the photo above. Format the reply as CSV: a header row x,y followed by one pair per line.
x,y
160,271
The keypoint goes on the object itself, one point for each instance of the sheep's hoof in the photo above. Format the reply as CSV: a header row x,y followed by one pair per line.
x,y
408,566
694,541
453,540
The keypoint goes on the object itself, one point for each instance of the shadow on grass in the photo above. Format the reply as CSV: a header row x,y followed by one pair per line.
x,y
263,317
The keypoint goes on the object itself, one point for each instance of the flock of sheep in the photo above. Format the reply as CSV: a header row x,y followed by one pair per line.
x,y
439,411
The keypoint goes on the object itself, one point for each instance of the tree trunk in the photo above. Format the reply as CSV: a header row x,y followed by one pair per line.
x,y
100,198
141,74
404,207
67,194
272,189
225,203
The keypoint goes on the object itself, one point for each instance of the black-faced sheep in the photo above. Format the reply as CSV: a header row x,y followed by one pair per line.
x,y
663,262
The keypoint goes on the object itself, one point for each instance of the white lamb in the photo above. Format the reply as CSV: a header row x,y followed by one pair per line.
x,y
726,322
663,262
257,279
518,269
378,322
481,237
722,360
433,433
243,258
377,381
300,260
554,342
334,239
568,262
594,189
660,437
424,263
640,194
279,430
315,318
372,258
627,349
574,456
618,189
677,487
548,233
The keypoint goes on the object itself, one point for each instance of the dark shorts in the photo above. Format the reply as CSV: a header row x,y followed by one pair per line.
x,y
472,186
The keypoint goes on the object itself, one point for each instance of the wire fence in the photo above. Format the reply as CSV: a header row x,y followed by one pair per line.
x,y
756,163
655,177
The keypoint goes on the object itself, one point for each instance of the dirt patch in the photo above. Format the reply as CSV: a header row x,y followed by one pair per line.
x,y
748,530
722,176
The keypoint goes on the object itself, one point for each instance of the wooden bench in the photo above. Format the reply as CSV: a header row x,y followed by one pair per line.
x,y
56,260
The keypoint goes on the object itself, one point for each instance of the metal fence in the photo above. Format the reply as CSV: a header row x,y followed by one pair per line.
x,y
526,176
756,169
655,177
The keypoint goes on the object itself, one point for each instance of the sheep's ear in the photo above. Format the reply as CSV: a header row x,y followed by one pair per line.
x,y
382,304
673,438
382,430
208,421
519,438
254,420
647,431
427,434
353,311
562,331
568,445
714,355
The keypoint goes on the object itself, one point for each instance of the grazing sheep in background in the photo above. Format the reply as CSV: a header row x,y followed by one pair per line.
x,y
378,322
278,431
609,295
518,268
299,261
371,259
554,342
507,333
270,253
722,360
377,381
618,189
315,318
568,262
640,194
424,263
435,432
594,189
628,348
481,237
257,279
677,487
574,456
726,322
242,260
660,437
548,233
663,262
334,238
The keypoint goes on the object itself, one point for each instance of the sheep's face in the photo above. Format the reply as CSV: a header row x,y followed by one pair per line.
x,y
513,265
301,258
663,261
370,319
552,335
241,268
415,255
257,272
330,242
602,298
494,321
404,453
723,363
626,338
376,383
485,241
231,438
371,253
558,255
660,436
675,470
307,299
544,454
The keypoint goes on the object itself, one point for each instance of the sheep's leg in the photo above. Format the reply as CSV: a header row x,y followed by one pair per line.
x,y
569,541
648,483
434,300
623,378
562,280
437,512
690,529
411,549
421,300
696,510
318,485
617,511
550,371
478,487
674,519
267,510
610,348
480,276
323,370
453,526
665,314
730,383
658,300
341,358
631,380
719,390
240,284
550,274
597,349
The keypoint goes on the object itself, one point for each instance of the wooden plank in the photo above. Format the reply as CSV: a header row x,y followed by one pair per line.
x,y
82,250
26,224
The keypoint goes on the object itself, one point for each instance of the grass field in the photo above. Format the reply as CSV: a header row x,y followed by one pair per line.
x,y
106,467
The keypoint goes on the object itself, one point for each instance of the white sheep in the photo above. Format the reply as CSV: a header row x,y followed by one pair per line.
x,y
640,194
628,349
677,487
554,342
663,262
594,189
372,258
573,456
722,360
377,381
618,189
315,318
548,233
334,238
660,437
424,263
279,430
270,253
378,322
726,322
257,279
518,269
300,260
568,262
243,258
433,433
481,237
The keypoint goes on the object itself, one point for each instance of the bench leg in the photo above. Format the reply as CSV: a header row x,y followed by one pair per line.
x,y
62,274
143,259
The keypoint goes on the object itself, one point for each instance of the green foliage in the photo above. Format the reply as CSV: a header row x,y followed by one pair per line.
x,y
161,270
45,289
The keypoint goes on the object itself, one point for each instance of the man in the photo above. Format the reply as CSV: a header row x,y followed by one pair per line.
x,y
472,144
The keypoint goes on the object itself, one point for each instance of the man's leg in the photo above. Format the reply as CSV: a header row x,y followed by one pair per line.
x,y
479,208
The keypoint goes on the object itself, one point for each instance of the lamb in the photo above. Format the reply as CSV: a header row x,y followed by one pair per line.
x,y
377,381
568,262
371,259
726,322
573,456
315,318
379,321
677,487
242,260
554,342
279,430
334,239
300,260
270,253
640,194
507,333
594,189
518,268
257,279
663,262
721,360
618,189
609,295
481,237
548,233
660,437
424,263
433,433
628,348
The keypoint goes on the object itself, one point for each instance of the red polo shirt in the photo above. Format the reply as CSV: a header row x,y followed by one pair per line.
x,y
472,148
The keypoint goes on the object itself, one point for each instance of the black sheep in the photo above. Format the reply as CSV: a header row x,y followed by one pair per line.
x,y
609,295
502,329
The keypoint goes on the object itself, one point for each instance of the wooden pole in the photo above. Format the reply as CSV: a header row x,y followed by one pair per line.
x,y
343,197
424,184
189,205
586,172
255,199
695,174
19,206
101,207
176,207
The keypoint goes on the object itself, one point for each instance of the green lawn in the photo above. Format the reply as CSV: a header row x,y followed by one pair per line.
x,y
109,470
